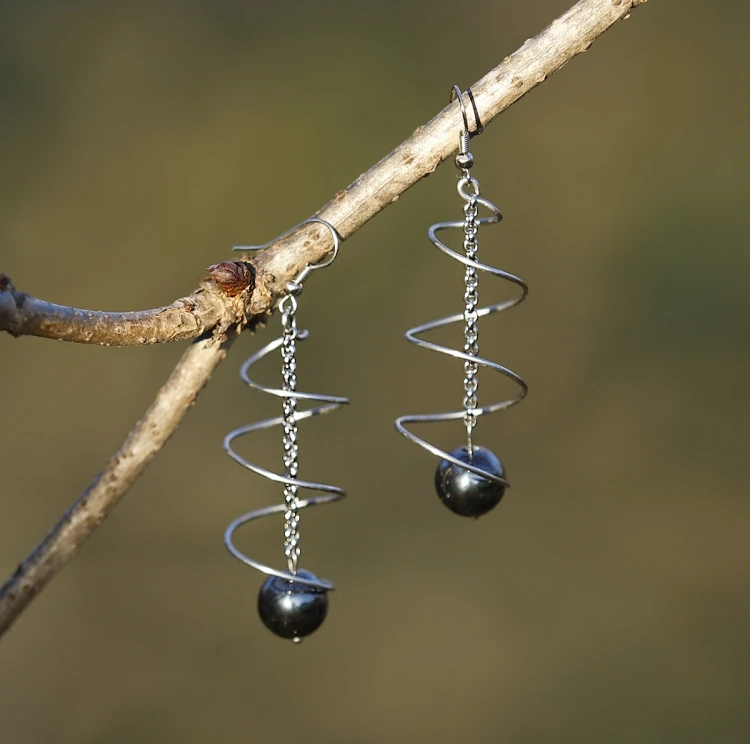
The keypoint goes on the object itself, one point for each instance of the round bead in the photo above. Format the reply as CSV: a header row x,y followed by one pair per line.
x,y
290,609
464,160
467,493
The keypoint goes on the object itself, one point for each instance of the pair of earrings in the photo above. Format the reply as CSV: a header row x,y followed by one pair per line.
x,y
470,480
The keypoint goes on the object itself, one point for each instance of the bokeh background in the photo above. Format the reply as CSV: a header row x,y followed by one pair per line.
x,y
607,598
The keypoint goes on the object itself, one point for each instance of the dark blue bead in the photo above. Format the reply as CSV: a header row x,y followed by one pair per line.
x,y
290,609
467,493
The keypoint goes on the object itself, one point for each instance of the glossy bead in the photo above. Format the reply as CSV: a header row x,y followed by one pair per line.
x,y
467,493
464,160
290,609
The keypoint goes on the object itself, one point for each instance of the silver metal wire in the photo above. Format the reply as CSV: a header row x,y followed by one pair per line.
x,y
469,190
289,419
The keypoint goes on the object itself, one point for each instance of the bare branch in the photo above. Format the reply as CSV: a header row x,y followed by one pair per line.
x,y
143,443
349,210
567,36
186,318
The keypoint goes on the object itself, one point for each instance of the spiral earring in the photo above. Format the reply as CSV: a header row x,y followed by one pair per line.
x,y
292,603
470,480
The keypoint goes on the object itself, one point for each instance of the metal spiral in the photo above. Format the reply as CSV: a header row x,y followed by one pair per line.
x,y
331,493
291,416
468,189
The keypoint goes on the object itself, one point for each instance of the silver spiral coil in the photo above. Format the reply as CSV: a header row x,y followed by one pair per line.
x,y
468,189
291,396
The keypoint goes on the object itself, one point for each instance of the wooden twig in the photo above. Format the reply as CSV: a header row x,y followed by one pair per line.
x,y
210,305
571,33
143,443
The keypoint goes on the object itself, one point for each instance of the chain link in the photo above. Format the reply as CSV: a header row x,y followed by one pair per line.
x,y
291,447
471,302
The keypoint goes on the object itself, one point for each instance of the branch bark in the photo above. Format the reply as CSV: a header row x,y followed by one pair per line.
x,y
211,305
143,443
223,308
567,36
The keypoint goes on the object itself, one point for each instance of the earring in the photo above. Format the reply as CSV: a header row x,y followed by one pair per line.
x,y
292,603
470,480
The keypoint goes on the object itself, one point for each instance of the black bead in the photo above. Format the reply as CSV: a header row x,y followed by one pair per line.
x,y
291,609
467,493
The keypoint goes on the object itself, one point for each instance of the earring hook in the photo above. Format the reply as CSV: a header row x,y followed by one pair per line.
x,y
457,94
295,287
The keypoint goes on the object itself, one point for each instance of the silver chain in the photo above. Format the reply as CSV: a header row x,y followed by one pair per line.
x,y
290,415
291,446
471,302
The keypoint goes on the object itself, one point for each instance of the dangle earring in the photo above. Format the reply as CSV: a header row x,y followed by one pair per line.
x,y
292,603
470,480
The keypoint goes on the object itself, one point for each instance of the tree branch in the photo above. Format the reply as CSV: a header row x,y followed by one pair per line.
x,y
143,443
569,35
225,304
189,317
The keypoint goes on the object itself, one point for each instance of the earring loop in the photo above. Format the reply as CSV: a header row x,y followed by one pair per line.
x,y
457,94
310,267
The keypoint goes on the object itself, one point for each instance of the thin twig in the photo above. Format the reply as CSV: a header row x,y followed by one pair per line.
x,y
189,317
569,35
143,443
349,210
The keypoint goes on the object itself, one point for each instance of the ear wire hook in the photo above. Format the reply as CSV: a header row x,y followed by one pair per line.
x,y
294,287
457,94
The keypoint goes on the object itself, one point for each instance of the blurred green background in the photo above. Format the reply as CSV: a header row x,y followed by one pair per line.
x,y
607,598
